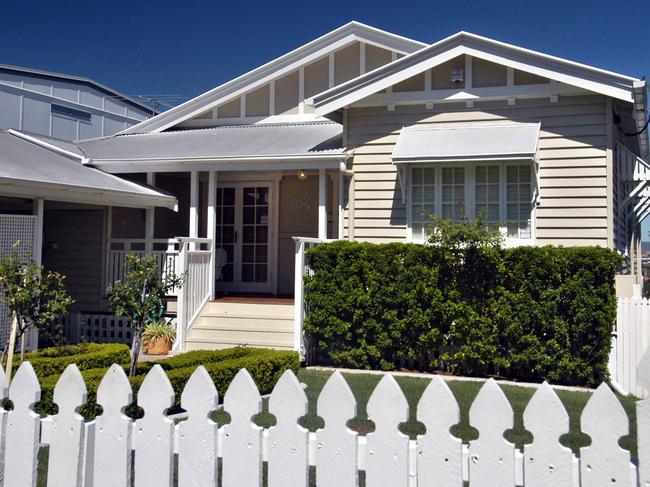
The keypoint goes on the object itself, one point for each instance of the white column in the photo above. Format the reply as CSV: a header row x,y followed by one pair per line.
x,y
322,205
341,221
194,206
211,224
38,210
149,218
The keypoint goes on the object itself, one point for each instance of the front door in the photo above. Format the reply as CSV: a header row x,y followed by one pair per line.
x,y
244,231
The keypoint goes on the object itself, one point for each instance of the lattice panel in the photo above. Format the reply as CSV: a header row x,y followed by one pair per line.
x,y
17,232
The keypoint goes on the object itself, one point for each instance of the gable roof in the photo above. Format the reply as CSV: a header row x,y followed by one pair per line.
x,y
29,169
555,68
338,38
41,73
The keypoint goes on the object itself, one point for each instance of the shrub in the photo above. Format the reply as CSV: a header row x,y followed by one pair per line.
x,y
528,313
265,366
54,360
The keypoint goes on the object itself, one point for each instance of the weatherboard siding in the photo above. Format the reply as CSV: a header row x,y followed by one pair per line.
x,y
572,152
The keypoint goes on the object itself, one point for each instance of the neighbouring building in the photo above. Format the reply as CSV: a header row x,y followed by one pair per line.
x,y
354,136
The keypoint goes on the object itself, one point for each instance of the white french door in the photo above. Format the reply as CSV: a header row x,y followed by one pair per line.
x,y
244,229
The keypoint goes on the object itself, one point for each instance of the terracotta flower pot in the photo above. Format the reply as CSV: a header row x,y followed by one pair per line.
x,y
158,346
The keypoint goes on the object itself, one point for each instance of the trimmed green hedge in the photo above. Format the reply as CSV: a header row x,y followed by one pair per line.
x,y
265,366
54,360
527,313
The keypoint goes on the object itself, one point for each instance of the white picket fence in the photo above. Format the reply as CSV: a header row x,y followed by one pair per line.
x,y
631,340
113,449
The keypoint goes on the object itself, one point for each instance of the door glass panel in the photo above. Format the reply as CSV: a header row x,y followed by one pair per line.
x,y
255,219
225,229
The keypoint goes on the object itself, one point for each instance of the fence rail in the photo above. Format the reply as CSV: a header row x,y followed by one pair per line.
x,y
113,449
631,340
96,327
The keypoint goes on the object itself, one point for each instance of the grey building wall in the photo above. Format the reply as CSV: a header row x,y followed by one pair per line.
x,y
63,108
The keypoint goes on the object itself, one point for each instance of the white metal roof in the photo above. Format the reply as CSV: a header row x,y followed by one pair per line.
x,y
29,169
467,142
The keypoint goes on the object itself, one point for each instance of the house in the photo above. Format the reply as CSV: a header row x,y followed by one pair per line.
x,y
64,106
353,136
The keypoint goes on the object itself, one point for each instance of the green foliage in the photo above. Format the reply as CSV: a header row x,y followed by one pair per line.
x,y
529,313
141,296
460,235
159,330
265,366
36,298
54,360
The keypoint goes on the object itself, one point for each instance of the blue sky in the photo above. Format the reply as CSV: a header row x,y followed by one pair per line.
x,y
189,46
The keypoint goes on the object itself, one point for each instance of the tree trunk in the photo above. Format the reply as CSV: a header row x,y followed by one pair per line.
x,y
135,351
12,345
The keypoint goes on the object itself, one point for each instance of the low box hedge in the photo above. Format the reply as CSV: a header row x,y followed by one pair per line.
x,y
265,366
526,313
54,360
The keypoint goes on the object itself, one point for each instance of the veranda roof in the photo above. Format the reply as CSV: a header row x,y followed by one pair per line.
x,y
28,169
467,142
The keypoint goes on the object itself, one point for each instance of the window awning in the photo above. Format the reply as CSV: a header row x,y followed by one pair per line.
x,y
467,142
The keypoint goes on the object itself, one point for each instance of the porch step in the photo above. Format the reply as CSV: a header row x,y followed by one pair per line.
x,y
229,324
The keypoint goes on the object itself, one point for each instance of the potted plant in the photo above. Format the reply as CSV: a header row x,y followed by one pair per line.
x,y
158,338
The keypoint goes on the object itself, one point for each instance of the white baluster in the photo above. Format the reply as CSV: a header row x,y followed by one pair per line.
x,y
154,433
387,447
197,436
242,442
604,462
643,422
21,458
439,452
288,442
491,457
336,444
112,453
67,430
546,461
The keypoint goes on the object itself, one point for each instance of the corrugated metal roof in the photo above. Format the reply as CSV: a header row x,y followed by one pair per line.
x,y
236,141
25,162
467,141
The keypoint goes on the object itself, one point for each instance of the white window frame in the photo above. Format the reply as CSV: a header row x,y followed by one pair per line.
x,y
470,203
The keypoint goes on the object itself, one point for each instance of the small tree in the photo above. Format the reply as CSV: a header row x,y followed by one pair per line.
x,y
465,234
140,297
36,299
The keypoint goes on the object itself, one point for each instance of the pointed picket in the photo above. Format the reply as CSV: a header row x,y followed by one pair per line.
x,y
491,457
604,462
23,428
643,422
154,433
67,430
439,452
197,436
242,442
546,461
288,442
4,390
387,447
112,452
336,444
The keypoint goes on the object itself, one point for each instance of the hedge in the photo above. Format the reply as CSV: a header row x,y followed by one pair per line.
x,y
54,360
265,366
527,313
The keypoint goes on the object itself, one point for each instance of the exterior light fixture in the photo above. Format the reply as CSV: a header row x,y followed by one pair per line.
x,y
302,175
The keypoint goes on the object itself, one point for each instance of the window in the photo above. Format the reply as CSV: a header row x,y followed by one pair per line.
x,y
423,192
70,113
499,191
518,201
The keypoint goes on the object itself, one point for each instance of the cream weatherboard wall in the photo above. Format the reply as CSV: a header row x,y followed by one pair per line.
x,y
573,164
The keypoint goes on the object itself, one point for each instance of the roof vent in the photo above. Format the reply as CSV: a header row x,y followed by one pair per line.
x,y
457,75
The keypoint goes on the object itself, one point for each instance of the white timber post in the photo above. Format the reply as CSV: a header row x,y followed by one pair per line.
x,y
150,214
211,224
643,421
341,189
39,210
194,206
298,296
181,304
322,205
